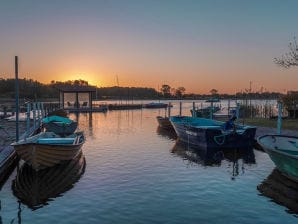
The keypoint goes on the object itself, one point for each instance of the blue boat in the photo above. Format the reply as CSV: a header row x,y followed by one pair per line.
x,y
59,125
283,151
157,105
205,112
208,133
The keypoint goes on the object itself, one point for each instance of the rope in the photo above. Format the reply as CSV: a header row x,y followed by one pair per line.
x,y
219,136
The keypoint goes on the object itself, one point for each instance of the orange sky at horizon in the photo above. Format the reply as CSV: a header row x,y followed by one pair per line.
x,y
108,79
198,45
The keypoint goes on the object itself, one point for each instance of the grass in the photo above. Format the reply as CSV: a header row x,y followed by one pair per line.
x,y
291,124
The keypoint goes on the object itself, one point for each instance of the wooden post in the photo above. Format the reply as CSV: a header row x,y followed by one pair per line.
x,y
34,115
229,106
38,113
169,109
193,109
28,117
279,119
17,96
43,114
180,108
237,110
211,110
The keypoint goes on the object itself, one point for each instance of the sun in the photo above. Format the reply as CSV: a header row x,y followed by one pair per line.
x,y
91,79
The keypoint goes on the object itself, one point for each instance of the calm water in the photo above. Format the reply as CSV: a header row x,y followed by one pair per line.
x,y
136,173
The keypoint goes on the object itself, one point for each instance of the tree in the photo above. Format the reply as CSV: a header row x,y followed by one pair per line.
x,y
166,90
179,91
289,59
213,92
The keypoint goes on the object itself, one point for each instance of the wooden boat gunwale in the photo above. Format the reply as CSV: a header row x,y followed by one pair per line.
x,y
278,150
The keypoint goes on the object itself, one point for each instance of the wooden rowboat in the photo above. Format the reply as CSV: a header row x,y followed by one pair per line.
x,y
164,122
283,151
47,149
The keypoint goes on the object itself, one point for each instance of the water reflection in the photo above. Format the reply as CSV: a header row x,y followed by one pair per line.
x,y
36,188
214,157
281,190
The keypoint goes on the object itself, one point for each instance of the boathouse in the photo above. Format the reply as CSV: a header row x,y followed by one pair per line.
x,y
76,98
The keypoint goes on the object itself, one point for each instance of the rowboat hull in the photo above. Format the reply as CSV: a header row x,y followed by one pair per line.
x,y
212,135
41,152
283,151
164,122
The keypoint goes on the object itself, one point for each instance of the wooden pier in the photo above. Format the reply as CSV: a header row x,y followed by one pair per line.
x,y
8,156
8,162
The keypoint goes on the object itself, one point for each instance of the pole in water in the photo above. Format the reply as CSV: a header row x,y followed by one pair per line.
x,y
279,119
17,97
34,115
193,109
211,110
28,117
169,109
180,108
229,106
237,110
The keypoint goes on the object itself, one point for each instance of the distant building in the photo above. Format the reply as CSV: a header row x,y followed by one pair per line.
x,y
76,98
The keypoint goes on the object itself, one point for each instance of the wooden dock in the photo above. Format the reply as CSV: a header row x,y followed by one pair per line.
x,y
8,161
8,157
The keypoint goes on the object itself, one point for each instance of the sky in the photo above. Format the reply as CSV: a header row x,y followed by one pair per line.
x,y
227,45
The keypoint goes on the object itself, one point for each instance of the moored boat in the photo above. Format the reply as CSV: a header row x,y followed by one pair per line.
x,y
212,100
207,133
47,149
283,151
204,112
157,105
59,125
164,122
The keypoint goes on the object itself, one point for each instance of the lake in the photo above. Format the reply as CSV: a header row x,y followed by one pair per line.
x,y
135,172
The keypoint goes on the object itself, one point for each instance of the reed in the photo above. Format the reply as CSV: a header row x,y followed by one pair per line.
x,y
291,124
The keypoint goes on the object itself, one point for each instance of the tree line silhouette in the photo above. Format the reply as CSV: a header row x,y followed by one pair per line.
x,y
33,90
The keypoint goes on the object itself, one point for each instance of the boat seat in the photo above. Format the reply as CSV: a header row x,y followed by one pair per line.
x,y
55,140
